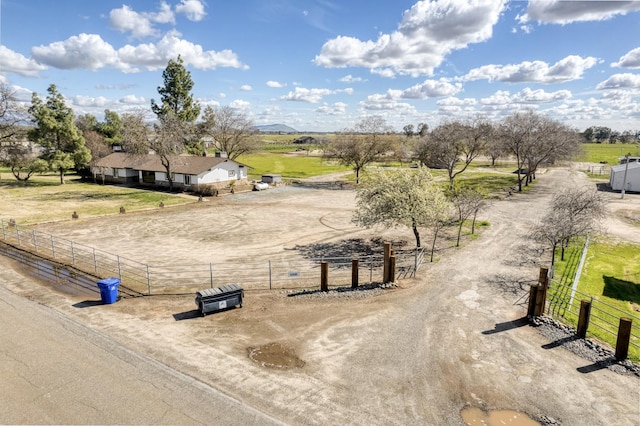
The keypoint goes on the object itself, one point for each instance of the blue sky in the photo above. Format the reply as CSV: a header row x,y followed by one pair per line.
x,y
323,65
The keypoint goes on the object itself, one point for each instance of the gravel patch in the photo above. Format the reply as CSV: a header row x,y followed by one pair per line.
x,y
360,292
562,335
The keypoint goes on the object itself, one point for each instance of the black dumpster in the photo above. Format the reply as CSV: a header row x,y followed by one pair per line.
x,y
219,298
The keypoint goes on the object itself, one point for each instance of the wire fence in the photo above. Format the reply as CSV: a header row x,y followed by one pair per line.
x,y
604,319
289,273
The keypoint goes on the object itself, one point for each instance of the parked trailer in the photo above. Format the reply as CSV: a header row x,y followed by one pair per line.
x,y
219,298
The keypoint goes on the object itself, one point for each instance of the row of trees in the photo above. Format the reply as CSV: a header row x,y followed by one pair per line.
x,y
603,134
532,139
64,142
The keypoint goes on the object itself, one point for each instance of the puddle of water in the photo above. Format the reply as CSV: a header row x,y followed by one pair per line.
x,y
275,355
473,416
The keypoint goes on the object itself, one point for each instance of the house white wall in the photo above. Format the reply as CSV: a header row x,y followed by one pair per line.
x,y
223,172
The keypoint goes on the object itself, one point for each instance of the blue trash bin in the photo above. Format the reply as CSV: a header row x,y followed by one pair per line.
x,y
109,290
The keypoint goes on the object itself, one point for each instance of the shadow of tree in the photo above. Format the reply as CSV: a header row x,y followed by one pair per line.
x,y
352,247
621,289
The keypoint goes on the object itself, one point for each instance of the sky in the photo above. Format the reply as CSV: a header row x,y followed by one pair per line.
x,y
324,65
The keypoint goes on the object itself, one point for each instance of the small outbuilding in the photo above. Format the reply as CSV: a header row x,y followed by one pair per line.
x,y
617,177
272,179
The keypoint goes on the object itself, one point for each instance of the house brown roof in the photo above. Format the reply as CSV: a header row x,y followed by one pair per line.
x,y
191,165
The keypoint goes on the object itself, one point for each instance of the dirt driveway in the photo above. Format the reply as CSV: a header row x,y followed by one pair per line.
x,y
416,354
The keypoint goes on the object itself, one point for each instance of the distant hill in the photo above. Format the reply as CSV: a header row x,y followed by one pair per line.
x,y
276,128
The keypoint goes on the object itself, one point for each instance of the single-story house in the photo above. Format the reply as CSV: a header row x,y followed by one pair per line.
x,y
188,172
633,177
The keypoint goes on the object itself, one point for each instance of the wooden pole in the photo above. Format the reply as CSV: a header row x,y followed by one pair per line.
x,y
354,273
324,276
392,269
583,318
624,335
533,295
385,269
544,281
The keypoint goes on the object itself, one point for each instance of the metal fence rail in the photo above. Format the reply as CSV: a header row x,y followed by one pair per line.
x,y
604,316
291,273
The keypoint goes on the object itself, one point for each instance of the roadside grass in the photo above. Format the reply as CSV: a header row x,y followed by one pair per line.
x,y
607,153
43,199
611,276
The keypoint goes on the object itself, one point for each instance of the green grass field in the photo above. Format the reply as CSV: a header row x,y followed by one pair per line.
x,y
607,153
611,276
288,165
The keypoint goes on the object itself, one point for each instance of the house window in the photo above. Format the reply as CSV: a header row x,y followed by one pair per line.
x,y
187,179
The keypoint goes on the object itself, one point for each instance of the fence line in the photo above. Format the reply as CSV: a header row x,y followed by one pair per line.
x,y
560,304
293,273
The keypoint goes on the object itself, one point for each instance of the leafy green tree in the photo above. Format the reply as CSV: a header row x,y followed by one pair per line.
x,y
362,145
175,93
22,162
408,130
401,197
111,128
55,131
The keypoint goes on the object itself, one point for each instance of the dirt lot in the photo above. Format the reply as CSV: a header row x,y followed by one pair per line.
x,y
415,354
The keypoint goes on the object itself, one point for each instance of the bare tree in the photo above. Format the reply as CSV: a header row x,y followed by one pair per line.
x,y
362,145
453,146
232,132
12,113
467,203
575,212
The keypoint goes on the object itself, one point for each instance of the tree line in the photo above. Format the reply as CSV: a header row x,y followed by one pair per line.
x,y
62,142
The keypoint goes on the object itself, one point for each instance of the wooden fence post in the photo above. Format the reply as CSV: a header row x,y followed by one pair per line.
x,y
543,279
324,276
583,318
354,273
392,269
533,295
624,335
385,268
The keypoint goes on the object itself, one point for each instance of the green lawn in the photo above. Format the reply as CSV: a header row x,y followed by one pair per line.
x,y
611,275
607,153
288,165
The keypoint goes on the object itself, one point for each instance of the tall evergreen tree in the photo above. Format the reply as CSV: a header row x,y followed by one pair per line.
x,y
63,143
175,93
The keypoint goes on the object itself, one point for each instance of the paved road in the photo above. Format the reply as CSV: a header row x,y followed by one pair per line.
x,y
57,371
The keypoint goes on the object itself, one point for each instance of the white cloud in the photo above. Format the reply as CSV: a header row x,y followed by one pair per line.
x,y
134,100
306,95
155,56
126,19
630,60
87,101
337,108
566,12
386,103
242,105
275,84
427,33
14,62
192,9
246,88
621,81
431,89
570,68
351,79
525,96
451,101
87,51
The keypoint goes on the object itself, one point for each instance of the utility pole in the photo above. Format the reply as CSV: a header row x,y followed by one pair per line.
x,y
624,177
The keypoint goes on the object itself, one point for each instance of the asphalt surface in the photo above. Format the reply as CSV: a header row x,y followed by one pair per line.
x,y
54,370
